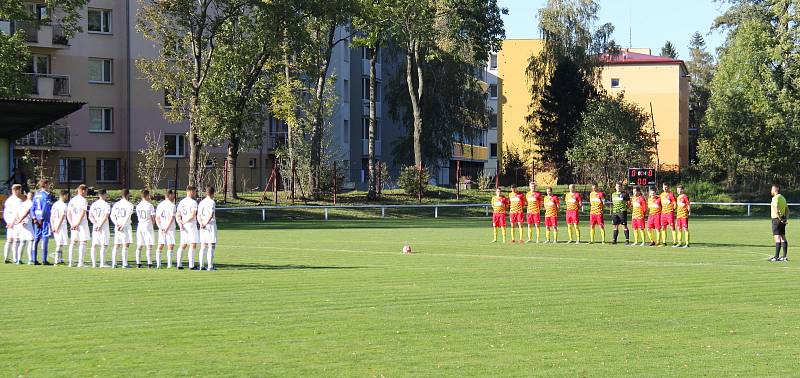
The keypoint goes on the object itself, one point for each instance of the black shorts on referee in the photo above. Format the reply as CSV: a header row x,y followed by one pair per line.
x,y
778,227
620,219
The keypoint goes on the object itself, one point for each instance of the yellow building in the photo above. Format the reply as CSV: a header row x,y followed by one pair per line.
x,y
645,79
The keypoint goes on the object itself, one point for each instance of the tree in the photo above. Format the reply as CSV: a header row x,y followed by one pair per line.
x,y
14,52
151,164
564,75
185,33
701,72
465,29
612,136
669,51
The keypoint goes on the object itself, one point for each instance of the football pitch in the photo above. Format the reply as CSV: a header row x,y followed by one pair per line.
x,y
338,298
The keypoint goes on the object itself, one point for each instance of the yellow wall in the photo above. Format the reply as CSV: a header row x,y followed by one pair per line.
x,y
661,84
514,98
665,86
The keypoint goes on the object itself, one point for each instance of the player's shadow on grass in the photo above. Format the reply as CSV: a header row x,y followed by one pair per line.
x,y
731,245
282,267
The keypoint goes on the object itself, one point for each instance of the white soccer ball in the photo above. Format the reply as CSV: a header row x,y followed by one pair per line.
x,y
406,249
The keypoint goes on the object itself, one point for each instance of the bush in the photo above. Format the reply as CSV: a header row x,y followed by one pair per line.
x,y
704,191
410,180
484,181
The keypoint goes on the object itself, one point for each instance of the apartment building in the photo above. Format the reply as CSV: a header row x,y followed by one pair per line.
x,y
99,144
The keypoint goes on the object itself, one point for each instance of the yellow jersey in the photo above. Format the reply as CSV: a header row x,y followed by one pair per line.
x,y
534,200
551,204
499,204
654,204
597,205
683,206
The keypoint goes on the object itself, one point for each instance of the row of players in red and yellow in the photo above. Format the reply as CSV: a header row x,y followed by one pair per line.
x,y
665,211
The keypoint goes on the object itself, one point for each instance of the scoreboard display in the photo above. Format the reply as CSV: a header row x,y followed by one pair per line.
x,y
641,177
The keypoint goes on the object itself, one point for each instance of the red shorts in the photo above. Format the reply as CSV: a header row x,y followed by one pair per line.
x,y
638,224
596,219
515,218
572,216
654,222
534,218
498,220
667,220
683,223
550,221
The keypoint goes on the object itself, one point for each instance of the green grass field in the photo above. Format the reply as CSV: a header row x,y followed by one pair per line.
x,y
339,299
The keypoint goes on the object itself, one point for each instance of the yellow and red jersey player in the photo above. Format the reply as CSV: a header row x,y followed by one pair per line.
x,y
682,216
654,217
551,206
516,211
499,208
668,215
534,201
596,207
639,209
574,203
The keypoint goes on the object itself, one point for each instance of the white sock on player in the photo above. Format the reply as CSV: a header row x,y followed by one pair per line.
x,y
103,255
191,256
81,251
210,253
169,257
147,254
201,256
93,255
6,249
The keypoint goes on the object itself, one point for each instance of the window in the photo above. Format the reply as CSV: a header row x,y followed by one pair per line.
x,y
346,131
167,103
492,120
40,12
493,61
70,170
346,50
492,90
99,70
365,129
174,145
107,170
101,120
346,91
493,150
251,163
365,90
99,21
614,83
364,53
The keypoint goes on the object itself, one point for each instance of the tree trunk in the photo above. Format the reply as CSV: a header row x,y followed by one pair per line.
x,y
232,159
415,93
317,131
194,144
372,194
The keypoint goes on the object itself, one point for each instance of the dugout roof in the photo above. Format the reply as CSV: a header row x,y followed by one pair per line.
x,y
21,116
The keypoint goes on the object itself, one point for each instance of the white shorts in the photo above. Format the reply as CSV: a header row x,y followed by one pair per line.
x,y
61,236
123,237
11,233
166,237
189,234
100,237
208,235
24,231
81,234
144,236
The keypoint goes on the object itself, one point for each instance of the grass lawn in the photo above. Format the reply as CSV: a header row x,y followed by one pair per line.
x,y
338,299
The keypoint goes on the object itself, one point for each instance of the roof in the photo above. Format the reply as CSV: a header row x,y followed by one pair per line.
x,y
629,57
21,116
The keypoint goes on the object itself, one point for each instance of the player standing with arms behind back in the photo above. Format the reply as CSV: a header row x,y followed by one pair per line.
x,y
779,212
10,217
165,219
499,207
58,223
682,220
24,225
534,200
78,224
668,216
551,206
98,215
574,203
145,214
654,218
516,209
42,202
186,217
121,214
207,221
638,210
620,202
596,208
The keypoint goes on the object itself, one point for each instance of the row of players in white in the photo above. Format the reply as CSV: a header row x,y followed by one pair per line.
x,y
187,215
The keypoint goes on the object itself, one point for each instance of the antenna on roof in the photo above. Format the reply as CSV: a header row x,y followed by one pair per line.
x,y
630,24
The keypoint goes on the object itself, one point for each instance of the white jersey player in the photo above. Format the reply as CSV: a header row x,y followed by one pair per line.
x,y
207,222
145,213
58,225
98,215
121,214
165,220
187,222
78,225
24,228
10,216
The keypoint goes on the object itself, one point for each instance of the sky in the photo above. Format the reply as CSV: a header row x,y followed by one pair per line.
x,y
638,23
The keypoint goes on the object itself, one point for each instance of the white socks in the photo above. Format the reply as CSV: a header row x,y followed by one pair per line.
x,y
201,255
169,257
158,258
114,255
179,256
71,247
148,253
210,253
6,249
92,253
81,251
191,256
124,256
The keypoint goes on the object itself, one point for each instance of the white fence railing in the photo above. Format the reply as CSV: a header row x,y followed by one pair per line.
x,y
435,208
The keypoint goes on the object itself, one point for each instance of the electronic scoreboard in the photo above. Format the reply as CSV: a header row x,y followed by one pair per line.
x,y
641,177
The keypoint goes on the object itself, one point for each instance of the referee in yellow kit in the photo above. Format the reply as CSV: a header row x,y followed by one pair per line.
x,y
779,211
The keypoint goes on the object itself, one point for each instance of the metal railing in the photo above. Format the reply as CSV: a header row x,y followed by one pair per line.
x,y
49,136
61,85
30,29
486,208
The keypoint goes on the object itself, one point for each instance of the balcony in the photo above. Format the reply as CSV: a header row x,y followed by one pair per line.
x,y
470,152
365,108
49,86
41,35
50,137
365,147
276,140
365,69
